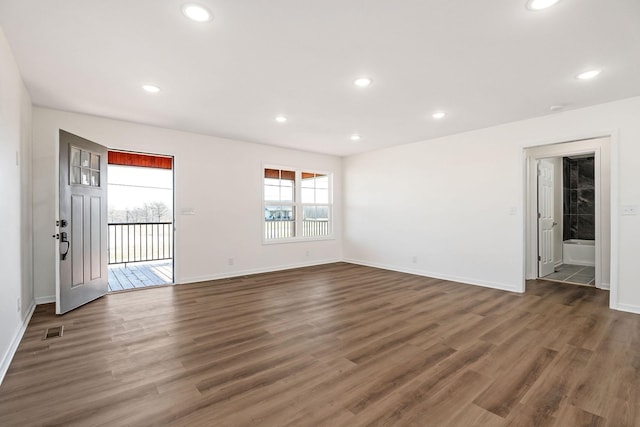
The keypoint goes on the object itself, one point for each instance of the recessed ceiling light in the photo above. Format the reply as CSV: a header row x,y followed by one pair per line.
x,y
540,4
355,137
586,75
196,12
281,119
151,88
439,115
362,81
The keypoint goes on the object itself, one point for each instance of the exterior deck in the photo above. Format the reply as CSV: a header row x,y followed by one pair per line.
x,y
140,275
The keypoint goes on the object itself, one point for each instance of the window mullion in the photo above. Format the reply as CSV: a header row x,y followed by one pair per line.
x,y
297,203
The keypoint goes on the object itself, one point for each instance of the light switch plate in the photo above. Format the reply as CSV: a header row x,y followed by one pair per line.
x,y
630,210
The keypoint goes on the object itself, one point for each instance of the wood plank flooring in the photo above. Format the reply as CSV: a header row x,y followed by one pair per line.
x,y
334,345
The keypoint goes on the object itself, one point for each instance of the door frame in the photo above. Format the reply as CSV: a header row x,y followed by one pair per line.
x,y
586,145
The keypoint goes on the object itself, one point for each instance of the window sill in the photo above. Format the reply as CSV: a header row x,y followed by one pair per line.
x,y
297,240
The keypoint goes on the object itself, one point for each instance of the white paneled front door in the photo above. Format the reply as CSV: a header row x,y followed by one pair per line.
x,y
83,222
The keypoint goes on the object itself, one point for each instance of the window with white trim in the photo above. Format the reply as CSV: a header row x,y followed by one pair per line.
x,y
297,204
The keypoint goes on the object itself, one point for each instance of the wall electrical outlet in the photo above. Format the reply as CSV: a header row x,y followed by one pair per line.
x,y
414,259
19,305
230,261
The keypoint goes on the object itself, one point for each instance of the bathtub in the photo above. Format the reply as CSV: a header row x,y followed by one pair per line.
x,y
579,252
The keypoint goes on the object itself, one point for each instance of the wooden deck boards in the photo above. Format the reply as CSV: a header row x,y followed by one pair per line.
x,y
140,275
334,345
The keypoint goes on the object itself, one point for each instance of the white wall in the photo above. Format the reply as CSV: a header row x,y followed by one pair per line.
x,y
15,215
220,179
449,201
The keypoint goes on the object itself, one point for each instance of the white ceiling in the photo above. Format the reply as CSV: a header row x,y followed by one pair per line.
x,y
484,62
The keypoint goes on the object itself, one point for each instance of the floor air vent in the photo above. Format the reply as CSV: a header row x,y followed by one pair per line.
x,y
54,332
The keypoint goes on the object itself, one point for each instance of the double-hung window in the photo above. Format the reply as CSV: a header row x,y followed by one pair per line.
x,y
297,204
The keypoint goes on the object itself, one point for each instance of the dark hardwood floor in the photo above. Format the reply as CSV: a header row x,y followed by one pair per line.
x,y
334,345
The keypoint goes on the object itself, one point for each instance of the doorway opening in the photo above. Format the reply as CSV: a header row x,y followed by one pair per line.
x,y
140,220
568,219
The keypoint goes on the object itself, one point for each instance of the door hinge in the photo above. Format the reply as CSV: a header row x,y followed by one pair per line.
x,y
539,215
539,258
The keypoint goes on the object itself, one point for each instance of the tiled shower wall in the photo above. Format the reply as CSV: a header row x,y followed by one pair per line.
x,y
578,198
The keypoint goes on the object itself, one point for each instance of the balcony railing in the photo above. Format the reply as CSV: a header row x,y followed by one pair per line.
x,y
143,241
274,229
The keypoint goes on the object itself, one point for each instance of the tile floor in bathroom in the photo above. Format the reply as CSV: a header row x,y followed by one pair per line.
x,y
574,274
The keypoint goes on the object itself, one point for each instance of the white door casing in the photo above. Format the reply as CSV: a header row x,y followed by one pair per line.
x,y
604,148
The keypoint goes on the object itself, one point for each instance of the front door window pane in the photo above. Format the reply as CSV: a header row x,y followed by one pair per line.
x,y
84,168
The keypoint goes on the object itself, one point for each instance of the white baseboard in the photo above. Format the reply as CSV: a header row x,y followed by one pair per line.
x,y
628,308
11,351
465,280
239,273
604,286
45,300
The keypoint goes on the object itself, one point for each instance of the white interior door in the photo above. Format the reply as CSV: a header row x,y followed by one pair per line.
x,y
546,220
82,232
